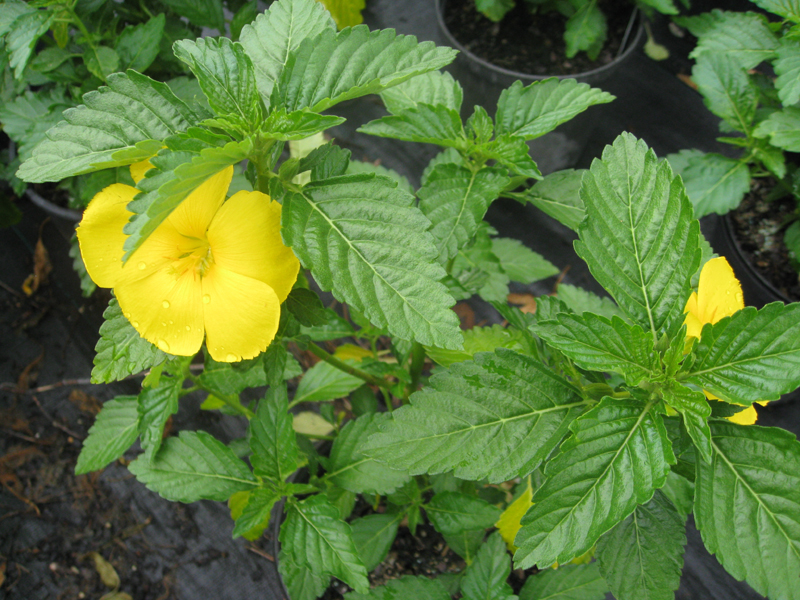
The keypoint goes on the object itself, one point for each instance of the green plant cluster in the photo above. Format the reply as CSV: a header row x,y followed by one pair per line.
x,y
747,68
596,406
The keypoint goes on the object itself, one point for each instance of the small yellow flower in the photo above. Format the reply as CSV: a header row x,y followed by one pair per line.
x,y
718,295
214,269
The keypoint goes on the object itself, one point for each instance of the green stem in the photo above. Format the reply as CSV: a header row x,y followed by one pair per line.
x,y
232,401
415,369
343,366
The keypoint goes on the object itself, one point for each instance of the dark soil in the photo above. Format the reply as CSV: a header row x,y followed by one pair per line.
x,y
758,224
532,44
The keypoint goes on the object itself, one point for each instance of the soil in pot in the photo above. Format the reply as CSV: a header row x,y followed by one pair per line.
x,y
758,225
543,51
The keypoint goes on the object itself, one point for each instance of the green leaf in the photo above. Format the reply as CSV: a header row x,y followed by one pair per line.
x,y
355,62
466,543
496,418
579,301
24,32
422,123
586,31
317,539
520,262
455,200
204,13
434,87
114,431
117,125
783,129
494,9
599,344
12,10
787,68
346,13
532,111
727,90
478,269
272,438
297,125
194,466
743,36
579,582
383,266
225,74
452,513
478,339
714,183
680,492
231,378
639,238
558,195
356,167
101,61
121,351
792,240
374,535
480,128
642,557
352,470
746,506
753,355
302,582
306,307
324,382
788,9
512,152
256,512
486,578
584,495
404,588
27,118
137,46
695,410
245,15
175,176
156,405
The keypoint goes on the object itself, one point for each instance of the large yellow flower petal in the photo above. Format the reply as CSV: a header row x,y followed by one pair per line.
x,y
166,310
719,293
748,416
241,314
694,326
245,237
158,252
100,233
193,216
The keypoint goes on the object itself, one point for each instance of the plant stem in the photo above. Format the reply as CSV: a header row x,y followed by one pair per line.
x,y
415,369
342,366
232,401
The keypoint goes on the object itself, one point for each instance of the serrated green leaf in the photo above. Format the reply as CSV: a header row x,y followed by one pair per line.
x,y
478,269
578,582
579,301
642,557
743,36
558,195
302,582
586,31
355,62
225,74
512,152
424,123
256,512
277,32
297,125
101,61
418,588
272,438
452,513
119,124
520,262
114,431
156,405
356,167
204,13
486,578
374,535
727,90
599,344
121,351
231,378
324,382
746,506
316,538
24,32
175,175
694,408
455,201
194,466
353,470
480,127
326,161
639,238
788,9
783,128
383,267
12,10
27,118
494,9
495,418
477,339
466,543
137,46
753,355
787,68
534,110
584,495
714,183
434,87
680,492
306,307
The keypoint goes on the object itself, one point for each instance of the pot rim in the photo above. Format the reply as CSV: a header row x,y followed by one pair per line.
x,y
632,44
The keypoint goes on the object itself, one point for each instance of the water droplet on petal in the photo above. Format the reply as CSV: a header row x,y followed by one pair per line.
x,y
135,324
165,304
163,345
171,322
127,315
231,357
739,298
188,328
163,323
206,298
142,266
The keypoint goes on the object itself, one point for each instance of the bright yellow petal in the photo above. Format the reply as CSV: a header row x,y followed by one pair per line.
x,y
693,324
139,169
100,233
166,310
193,216
746,417
719,293
245,237
241,315
509,521
159,252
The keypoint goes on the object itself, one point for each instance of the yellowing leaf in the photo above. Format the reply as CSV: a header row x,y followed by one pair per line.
x,y
351,351
107,572
212,403
237,502
346,13
311,424
509,521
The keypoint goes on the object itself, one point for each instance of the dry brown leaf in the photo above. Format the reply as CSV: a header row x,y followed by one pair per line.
x,y
108,574
41,269
526,302
2,573
85,402
29,374
687,79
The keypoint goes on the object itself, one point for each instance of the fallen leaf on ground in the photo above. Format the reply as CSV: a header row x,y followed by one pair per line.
x,y
526,302
85,402
108,574
29,374
41,269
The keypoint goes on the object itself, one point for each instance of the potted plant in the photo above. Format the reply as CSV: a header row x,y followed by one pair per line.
x,y
583,394
745,72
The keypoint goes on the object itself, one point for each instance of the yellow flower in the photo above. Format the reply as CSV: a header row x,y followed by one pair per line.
x,y
214,268
718,295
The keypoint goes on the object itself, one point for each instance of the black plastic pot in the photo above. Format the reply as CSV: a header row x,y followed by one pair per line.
x,y
483,81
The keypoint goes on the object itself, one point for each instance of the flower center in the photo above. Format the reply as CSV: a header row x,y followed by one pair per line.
x,y
196,257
